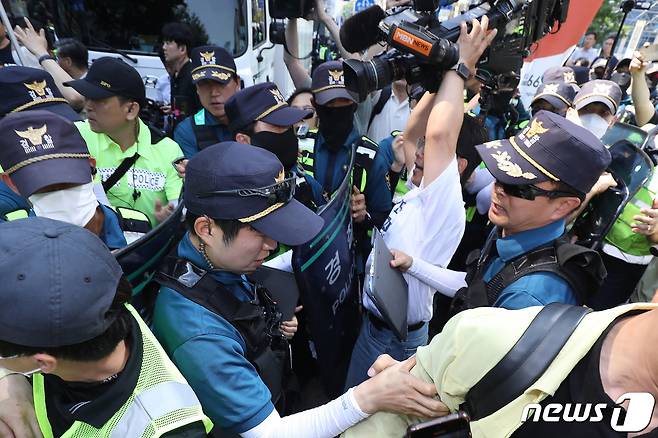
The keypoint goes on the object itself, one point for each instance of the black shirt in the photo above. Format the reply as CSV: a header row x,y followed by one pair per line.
x,y
5,55
184,98
96,403
582,385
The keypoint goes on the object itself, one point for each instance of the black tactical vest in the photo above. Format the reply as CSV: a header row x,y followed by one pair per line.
x,y
582,268
257,322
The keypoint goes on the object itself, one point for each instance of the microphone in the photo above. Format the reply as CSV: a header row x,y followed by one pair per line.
x,y
361,30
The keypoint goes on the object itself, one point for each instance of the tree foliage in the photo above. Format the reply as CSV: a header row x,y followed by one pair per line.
x,y
606,21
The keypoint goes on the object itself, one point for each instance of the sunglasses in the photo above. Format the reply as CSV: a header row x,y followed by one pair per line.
x,y
530,192
281,192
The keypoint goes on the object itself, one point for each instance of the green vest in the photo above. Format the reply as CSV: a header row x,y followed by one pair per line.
x,y
17,214
621,235
401,188
162,400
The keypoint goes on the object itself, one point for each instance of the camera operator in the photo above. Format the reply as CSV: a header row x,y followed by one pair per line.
x,y
429,220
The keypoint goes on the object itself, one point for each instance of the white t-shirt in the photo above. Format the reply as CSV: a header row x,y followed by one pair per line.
x,y
393,117
580,52
428,224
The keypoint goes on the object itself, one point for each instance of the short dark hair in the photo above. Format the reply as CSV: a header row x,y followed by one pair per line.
x,y
591,32
94,349
230,227
297,92
179,33
248,129
74,49
472,133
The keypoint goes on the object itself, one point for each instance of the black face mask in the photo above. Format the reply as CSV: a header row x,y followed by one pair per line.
x,y
336,124
283,145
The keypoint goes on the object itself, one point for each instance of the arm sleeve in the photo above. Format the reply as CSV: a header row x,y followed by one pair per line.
x,y
184,136
379,200
443,280
229,388
174,183
322,422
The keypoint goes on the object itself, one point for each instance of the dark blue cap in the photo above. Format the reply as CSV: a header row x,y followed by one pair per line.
x,y
233,166
560,74
261,102
26,88
58,283
558,94
212,62
109,76
39,148
550,148
328,83
599,90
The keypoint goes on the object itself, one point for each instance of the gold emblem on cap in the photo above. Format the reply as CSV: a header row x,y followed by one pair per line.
x,y
34,136
220,75
207,56
536,128
196,76
569,77
551,88
105,84
277,95
494,144
336,76
504,162
37,87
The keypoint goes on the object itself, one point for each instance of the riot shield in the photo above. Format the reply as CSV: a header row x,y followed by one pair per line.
x,y
140,259
324,269
631,168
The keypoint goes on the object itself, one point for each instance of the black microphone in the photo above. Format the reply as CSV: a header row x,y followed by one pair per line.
x,y
361,30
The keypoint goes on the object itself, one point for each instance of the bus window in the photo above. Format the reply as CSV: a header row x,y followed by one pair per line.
x,y
135,26
258,21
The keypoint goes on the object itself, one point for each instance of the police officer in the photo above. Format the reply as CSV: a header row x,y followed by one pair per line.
x,y
216,79
47,161
555,97
260,116
223,331
133,160
336,134
596,104
95,368
542,175
561,74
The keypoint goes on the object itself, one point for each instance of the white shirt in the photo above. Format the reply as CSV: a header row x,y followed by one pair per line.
x,y
393,117
590,54
428,224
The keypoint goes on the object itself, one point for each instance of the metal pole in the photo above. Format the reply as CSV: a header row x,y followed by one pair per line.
x,y
10,32
626,6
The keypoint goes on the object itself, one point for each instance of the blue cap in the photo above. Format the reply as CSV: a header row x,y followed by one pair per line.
x,y
234,166
58,283
558,94
261,102
212,62
601,91
26,88
39,148
328,83
550,148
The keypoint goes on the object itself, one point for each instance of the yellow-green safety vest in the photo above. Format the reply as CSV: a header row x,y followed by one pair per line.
x,y
17,214
621,234
161,402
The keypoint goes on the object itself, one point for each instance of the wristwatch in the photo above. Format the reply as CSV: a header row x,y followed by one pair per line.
x,y
462,71
44,58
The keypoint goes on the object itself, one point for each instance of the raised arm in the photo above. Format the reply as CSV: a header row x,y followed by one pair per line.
x,y
416,127
298,74
448,110
644,109
333,29
37,45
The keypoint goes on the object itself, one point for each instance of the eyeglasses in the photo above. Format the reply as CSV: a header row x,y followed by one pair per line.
x,y
530,192
281,192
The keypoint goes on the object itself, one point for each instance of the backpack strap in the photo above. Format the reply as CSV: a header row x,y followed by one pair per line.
x,y
119,172
526,362
366,150
381,102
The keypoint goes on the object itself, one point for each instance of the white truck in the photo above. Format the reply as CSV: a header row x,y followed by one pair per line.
x,y
130,30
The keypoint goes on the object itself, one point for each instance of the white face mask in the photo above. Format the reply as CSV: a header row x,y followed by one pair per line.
x,y
595,124
76,205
